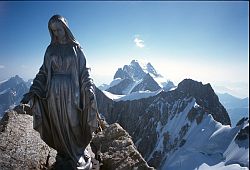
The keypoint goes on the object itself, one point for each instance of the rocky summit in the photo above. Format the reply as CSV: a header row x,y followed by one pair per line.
x,y
22,148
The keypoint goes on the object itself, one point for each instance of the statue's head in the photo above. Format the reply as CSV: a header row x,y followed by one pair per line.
x,y
58,28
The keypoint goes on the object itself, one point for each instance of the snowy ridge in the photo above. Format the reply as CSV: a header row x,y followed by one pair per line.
x,y
131,96
206,148
112,96
3,81
186,144
138,95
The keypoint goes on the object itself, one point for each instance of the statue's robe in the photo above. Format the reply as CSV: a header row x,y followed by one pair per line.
x,y
64,104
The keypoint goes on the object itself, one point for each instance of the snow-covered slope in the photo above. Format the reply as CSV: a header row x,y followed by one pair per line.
x,y
209,145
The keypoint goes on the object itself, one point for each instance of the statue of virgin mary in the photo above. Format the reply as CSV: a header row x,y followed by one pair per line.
x,y
62,98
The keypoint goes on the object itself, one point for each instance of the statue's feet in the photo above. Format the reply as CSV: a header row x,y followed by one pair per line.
x,y
64,162
66,165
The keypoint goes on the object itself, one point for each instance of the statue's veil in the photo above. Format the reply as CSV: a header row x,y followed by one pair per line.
x,y
61,19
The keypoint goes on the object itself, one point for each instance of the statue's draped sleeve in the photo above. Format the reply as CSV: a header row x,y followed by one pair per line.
x,y
88,105
38,102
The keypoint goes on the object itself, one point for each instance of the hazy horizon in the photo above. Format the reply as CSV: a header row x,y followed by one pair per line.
x,y
204,41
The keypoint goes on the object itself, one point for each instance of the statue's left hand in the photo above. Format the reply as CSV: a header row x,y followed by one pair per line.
x,y
26,98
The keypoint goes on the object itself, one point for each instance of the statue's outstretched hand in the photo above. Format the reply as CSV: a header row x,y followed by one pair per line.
x,y
26,98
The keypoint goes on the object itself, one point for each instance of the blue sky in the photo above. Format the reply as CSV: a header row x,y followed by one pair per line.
x,y
205,41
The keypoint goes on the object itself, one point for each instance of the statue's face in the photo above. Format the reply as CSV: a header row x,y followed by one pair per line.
x,y
58,30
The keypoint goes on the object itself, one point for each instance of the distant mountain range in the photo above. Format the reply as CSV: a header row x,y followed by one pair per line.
x,y
137,76
174,127
236,107
11,92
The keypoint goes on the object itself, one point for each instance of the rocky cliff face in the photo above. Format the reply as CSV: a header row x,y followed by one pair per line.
x,y
22,148
205,97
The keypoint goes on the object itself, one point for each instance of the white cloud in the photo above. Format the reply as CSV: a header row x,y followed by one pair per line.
x,y
2,66
139,42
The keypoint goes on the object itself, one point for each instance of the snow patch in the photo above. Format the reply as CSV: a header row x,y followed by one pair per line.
x,y
112,96
4,91
196,105
3,81
132,96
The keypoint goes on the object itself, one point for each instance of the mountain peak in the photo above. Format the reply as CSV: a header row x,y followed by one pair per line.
x,y
205,97
11,83
152,70
11,92
136,70
146,66
17,79
134,76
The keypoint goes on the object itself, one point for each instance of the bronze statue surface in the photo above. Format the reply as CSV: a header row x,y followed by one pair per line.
x,y
62,97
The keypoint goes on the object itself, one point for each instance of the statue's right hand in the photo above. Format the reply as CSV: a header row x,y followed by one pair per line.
x,y
26,98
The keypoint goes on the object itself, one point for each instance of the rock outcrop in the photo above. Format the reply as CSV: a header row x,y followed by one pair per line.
x,y
22,148
116,150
